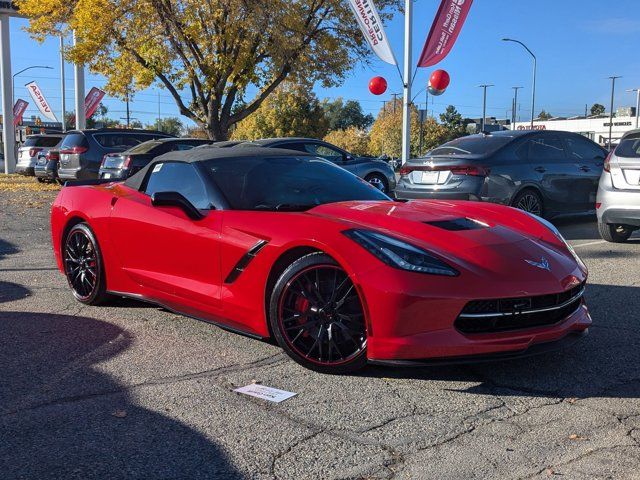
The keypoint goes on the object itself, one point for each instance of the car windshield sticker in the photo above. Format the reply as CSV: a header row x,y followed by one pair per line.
x,y
157,167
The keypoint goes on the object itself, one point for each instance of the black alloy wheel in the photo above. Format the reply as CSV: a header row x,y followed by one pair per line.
x,y
83,265
317,316
530,202
615,233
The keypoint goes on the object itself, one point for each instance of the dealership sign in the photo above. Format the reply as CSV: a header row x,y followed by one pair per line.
x,y
371,26
92,101
444,31
18,110
41,102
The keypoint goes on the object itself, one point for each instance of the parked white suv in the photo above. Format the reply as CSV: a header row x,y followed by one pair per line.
x,y
28,152
618,198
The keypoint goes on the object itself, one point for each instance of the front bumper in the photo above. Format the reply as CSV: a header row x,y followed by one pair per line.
x,y
414,320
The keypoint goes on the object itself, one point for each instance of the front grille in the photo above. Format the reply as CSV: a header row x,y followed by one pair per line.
x,y
487,316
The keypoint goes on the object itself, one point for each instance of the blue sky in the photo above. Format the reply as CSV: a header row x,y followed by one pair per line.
x,y
579,43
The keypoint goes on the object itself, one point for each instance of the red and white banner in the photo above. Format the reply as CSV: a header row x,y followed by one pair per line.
x,y
444,31
41,102
18,110
92,101
372,29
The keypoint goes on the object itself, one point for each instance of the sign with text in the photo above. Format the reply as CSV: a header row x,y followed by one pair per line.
x,y
92,101
41,101
18,110
372,29
444,31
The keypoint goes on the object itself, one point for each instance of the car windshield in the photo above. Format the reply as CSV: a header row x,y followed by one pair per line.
x,y
629,146
41,141
144,147
472,145
286,183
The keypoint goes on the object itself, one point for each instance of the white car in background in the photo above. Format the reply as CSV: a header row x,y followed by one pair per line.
x,y
28,152
618,198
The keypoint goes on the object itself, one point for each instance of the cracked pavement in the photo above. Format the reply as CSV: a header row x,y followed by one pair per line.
x,y
132,391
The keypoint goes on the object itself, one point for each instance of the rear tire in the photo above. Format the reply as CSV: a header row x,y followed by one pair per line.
x,y
614,233
317,317
530,201
83,265
41,180
378,181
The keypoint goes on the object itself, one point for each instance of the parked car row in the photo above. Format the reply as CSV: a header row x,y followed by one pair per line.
x,y
548,173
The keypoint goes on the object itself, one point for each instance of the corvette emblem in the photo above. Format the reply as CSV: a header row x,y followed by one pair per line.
x,y
543,264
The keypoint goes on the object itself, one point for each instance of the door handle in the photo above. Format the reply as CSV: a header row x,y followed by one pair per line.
x,y
585,168
540,169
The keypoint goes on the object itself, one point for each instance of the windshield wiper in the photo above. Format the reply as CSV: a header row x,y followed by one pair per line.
x,y
286,207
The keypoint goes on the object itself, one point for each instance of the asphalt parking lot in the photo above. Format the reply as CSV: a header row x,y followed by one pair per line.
x,y
132,391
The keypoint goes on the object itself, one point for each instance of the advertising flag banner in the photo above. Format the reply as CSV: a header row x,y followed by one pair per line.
x,y
444,31
41,102
92,101
18,110
372,29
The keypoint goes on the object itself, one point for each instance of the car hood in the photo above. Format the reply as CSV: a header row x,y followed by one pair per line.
x,y
490,241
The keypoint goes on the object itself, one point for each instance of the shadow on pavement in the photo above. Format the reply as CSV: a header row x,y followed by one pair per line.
x,y
62,417
7,248
602,364
12,291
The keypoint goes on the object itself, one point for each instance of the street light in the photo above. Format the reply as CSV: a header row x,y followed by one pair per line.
x,y
484,104
613,91
533,89
13,81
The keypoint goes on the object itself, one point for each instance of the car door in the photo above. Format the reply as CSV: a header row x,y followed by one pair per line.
x,y
554,173
160,247
588,160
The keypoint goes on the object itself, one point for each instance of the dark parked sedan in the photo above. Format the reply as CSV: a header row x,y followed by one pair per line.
x,y
123,165
545,173
46,169
375,171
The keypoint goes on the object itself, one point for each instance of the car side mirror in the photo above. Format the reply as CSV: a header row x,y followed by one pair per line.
x,y
175,199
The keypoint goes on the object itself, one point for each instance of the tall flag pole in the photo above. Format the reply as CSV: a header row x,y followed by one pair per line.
x,y
407,79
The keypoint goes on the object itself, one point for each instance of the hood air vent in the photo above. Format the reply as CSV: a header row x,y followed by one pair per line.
x,y
458,224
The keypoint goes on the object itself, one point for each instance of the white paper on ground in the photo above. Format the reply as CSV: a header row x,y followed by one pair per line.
x,y
266,393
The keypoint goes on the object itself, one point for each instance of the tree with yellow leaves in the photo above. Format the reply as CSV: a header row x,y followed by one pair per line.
x,y
351,139
207,54
386,132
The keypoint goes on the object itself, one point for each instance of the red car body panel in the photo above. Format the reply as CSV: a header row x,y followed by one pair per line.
x,y
161,255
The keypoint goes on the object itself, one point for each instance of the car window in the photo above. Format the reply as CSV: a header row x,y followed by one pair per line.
x,y
73,140
42,141
145,147
178,177
629,146
183,146
583,149
323,151
117,140
472,145
546,149
264,183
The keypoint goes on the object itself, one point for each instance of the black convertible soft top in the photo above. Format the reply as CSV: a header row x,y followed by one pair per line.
x,y
204,153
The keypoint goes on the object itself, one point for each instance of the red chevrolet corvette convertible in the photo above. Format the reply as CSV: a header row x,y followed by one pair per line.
x,y
279,245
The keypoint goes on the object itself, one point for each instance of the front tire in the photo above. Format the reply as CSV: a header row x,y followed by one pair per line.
x,y
83,265
317,317
614,233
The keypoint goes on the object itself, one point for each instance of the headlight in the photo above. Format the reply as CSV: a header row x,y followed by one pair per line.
x,y
399,254
550,226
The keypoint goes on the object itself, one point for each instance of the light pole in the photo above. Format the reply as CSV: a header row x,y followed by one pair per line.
x,y
637,90
13,80
406,79
533,88
484,105
613,90
515,105
63,93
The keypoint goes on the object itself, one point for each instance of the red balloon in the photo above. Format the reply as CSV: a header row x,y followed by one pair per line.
x,y
439,80
377,85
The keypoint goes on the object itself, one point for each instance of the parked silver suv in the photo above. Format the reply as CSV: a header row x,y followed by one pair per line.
x,y
28,153
618,198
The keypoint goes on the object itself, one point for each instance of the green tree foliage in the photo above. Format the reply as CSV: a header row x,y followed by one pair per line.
x,y
341,115
292,111
597,109
452,121
170,125
544,115
208,55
